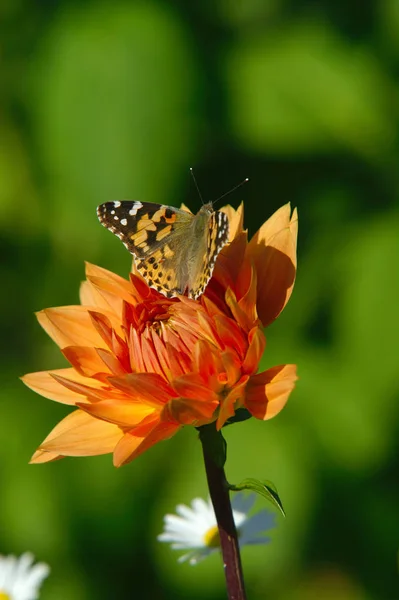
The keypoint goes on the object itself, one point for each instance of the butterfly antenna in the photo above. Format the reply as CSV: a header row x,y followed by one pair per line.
x,y
232,190
196,185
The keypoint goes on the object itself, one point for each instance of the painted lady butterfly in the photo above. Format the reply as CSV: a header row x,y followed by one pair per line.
x,y
175,251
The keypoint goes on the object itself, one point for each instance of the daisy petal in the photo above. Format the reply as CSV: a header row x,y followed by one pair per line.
x,y
195,527
20,579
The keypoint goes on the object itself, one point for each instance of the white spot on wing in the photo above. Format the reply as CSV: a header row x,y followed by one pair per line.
x,y
117,204
136,206
124,222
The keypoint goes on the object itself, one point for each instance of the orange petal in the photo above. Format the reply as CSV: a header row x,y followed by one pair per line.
x,y
211,308
236,219
112,363
185,332
103,326
268,392
125,448
247,300
171,336
207,360
125,413
79,434
86,389
131,446
113,288
70,326
257,344
163,356
273,252
110,282
229,261
179,362
207,328
90,295
190,411
85,360
231,366
142,429
234,400
120,350
45,384
191,386
135,354
245,314
141,290
185,208
147,387
151,362
42,456
105,285
230,334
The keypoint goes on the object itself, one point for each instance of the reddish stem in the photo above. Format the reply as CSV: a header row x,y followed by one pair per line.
x,y
219,493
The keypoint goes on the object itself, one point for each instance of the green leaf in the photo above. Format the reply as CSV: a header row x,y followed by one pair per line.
x,y
264,488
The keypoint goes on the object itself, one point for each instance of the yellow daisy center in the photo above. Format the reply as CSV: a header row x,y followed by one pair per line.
x,y
211,538
4,596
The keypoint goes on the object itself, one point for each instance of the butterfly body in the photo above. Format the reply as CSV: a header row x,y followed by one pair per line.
x,y
175,251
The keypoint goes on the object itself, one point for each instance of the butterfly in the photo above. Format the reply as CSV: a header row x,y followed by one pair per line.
x,y
175,251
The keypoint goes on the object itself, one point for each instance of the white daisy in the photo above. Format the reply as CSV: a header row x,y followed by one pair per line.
x,y
19,578
196,529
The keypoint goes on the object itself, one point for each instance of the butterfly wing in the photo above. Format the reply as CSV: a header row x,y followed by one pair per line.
x,y
155,234
204,259
142,227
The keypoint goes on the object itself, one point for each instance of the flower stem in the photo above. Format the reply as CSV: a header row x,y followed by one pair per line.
x,y
213,447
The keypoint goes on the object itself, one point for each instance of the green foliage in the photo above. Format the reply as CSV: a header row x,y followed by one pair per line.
x,y
303,88
117,100
263,488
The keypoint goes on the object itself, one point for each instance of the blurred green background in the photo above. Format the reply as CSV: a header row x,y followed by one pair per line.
x,y
116,100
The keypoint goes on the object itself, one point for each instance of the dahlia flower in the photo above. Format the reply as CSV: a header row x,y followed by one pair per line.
x,y
142,366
